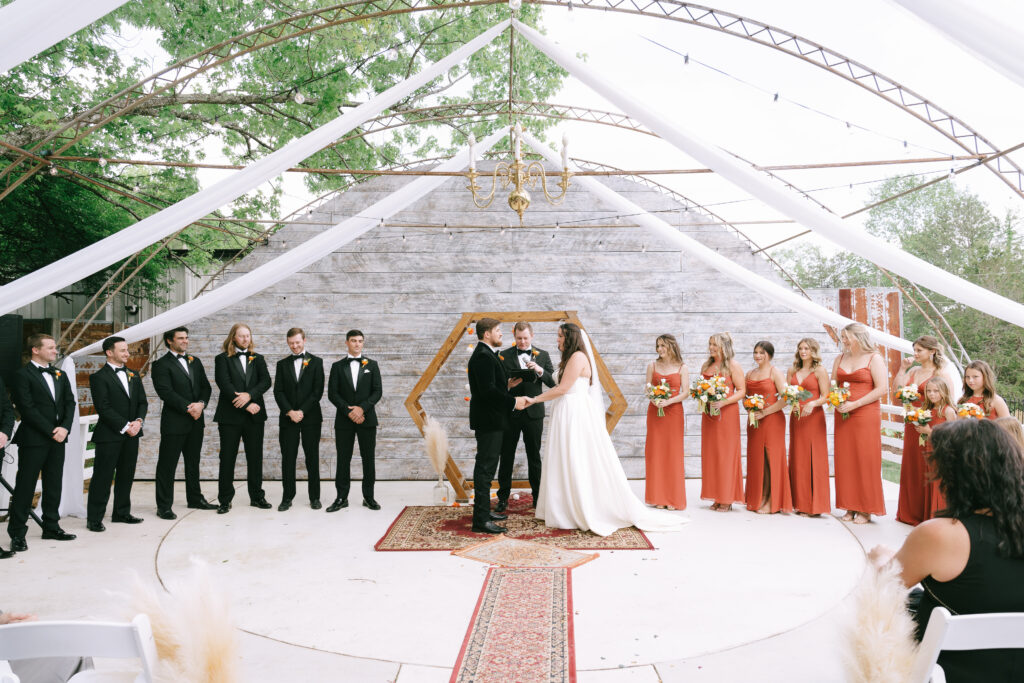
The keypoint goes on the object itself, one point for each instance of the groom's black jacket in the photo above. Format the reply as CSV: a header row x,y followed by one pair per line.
x,y
532,387
490,403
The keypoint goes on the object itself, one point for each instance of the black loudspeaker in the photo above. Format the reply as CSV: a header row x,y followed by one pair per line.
x,y
11,330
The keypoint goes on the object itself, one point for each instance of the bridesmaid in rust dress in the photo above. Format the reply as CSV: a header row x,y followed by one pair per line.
x,y
858,437
721,471
936,398
980,389
767,470
927,362
808,436
663,451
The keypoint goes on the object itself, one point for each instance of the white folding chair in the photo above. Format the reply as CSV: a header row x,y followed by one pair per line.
x,y
964,632
34,639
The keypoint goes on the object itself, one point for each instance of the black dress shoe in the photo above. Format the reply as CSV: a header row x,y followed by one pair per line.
x,y
285,504
495,517
203,505
501,506
18,545
337,504
126,519
95,526
58,534
223,509
166,514
489,528
262,504
315,504
4,554
371,503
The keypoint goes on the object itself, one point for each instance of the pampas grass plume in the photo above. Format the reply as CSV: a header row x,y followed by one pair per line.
x,y
436,444
880,633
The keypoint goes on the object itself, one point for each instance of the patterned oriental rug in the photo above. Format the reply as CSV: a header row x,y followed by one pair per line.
x,y
512,552
521,629
450,528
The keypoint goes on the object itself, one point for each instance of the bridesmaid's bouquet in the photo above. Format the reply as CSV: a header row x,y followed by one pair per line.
x,y
919,417
907,395
970,410
707,390
656,391
793,394
753,402
838,395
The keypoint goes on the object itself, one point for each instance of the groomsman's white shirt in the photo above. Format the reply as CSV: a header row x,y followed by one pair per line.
x,y
123,377
298,366
354,368
243,355
48,378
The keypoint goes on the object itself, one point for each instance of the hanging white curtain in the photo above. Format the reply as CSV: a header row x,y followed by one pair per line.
x,y
298,257
120,245
659,228
27,27
785,201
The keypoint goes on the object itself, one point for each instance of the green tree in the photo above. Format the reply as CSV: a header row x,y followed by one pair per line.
x,y
953,229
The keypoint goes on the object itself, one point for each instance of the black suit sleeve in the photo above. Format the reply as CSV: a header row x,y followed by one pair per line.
x,y
165,388
222,375
6,412
142,398
199,373
334,388
318,387
486,373
262,378
280,397
70,401
31,415
548,378
100,388
376,388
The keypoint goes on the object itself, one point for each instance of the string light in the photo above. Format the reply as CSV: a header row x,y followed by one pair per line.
x,y
299,98
53,170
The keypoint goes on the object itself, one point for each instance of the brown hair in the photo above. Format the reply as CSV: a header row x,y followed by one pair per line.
x,y
229,344
930,343
815,348
988,383
572,342
673,346
294,331
724,341
522,325
947,396
484,325
1012,426
36,340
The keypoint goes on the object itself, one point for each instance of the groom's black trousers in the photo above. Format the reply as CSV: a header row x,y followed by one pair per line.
x,y
488,452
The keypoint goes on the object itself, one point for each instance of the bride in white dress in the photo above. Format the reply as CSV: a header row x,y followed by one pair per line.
x,y
583,485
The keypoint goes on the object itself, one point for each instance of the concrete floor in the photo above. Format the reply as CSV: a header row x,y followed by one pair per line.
x,y
732,597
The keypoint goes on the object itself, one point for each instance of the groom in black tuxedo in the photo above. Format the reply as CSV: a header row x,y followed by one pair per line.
x,y
490,412
298,388
530,422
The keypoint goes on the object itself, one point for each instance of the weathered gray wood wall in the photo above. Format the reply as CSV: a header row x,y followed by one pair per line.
x,y
406,287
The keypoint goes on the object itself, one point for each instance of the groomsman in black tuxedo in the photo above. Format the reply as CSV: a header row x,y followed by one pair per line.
x,y
181,383
530,422
6,430
242,377
120,401
46,403
490,411
298,388
355,388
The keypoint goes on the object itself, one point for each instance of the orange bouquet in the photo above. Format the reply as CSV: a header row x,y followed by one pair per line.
x,y
658,391
753,402
838,395
707,391
919,417
970,410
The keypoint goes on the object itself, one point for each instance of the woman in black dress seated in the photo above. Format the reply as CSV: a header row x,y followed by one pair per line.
x,y
970,559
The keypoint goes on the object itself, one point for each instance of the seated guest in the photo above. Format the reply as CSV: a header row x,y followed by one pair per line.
x,y
971,560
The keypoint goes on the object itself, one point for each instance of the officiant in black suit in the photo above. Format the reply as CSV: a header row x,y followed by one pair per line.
x,y
298,388
120,401
46,403
490,413
242,377
528,423
355,388
181,383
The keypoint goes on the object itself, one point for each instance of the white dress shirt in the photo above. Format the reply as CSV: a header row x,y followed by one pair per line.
x,y
48,378
182,360
243,355
298,366
123,376
354,369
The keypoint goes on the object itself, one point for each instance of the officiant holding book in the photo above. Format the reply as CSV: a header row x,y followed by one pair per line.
x,y
533,366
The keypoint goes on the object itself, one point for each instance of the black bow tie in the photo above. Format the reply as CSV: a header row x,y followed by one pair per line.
x,y
179,356
526,351
353,360
121,369
300,356
48,369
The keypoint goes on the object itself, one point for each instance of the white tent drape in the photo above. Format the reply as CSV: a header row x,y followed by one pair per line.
x,y
999,44
72,497
785,201
298,257
122,244
27,27
724,265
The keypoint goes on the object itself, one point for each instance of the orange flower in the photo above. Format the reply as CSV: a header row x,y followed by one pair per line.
x,y
501,356
536,353
364,362
467,398
469,330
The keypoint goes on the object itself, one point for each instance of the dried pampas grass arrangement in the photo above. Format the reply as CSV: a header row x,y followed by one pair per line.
x,y
879,638
436,444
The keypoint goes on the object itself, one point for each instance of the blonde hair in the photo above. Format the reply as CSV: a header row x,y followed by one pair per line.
x,y
930,343
944,392
858,332
988,383
1012,426
724,341
229,344
815,348
673,346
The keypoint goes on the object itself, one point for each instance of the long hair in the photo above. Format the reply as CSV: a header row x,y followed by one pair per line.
x,y
572,341
858,333
988,386
815,348
229,344
1012,427
673,346
724,341
930,343
947,396
980,466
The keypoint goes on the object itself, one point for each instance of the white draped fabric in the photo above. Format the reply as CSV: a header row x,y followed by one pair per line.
x,y
773,291
27,27
120,245
785,201
974,28
298,257
72,497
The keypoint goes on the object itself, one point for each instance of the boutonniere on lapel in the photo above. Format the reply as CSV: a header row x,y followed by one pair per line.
x,y
57,374
501,356
131,375
251,357
536,353
305,362
191,358
364,362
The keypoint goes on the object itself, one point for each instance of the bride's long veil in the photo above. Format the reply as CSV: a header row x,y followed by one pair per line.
x,y
596,392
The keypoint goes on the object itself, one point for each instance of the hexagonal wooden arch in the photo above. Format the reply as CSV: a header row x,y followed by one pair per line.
x,y
616,408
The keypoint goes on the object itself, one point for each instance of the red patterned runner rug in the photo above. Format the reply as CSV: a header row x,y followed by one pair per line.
x,y
521,629
450,528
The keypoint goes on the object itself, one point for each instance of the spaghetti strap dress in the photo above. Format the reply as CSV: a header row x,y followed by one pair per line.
x,y
766,448
934,501
663,450
808,455
720,453
858,449
911,506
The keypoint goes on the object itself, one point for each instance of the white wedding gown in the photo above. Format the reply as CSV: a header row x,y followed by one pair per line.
x,y
582,484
